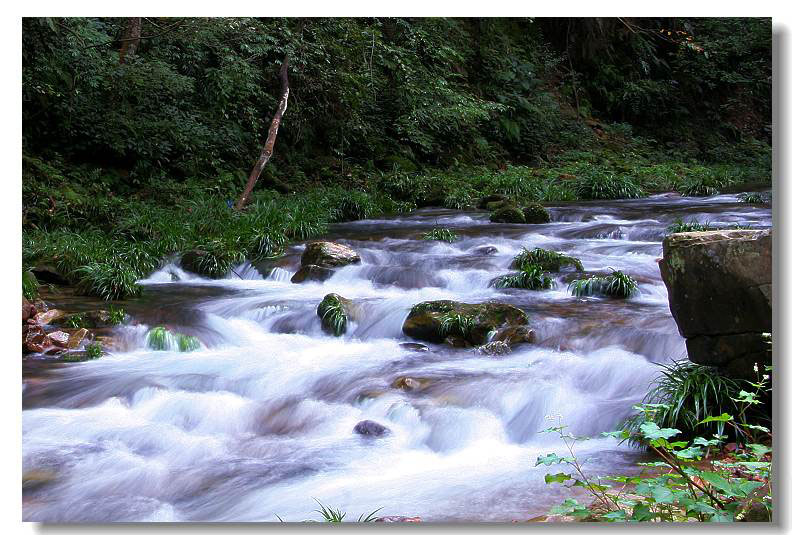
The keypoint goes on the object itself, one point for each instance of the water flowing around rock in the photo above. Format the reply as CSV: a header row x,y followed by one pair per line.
x,y
261,417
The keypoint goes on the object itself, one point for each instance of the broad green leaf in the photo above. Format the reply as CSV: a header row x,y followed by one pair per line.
x,y
560,477
651,431
725,417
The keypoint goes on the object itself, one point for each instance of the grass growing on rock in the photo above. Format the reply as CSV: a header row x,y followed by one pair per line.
x,y
617,284
333,314
452,323
530,277
752,198
441,234
689,226
545,259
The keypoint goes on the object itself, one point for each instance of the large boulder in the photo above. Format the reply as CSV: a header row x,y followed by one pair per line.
x,y
469,324
536,213
720,293
328,254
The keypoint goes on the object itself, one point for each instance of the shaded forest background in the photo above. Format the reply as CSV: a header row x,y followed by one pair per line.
x,y
385,114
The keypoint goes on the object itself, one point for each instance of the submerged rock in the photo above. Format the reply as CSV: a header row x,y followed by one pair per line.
x,y
474,324
370,428
494,348
328,254
312,273
412,346
508,214
720,294
406,383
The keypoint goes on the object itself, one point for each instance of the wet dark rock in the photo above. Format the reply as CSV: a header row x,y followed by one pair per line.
x,y
519,334
508,214
34,339
50,316
370,428
436,321
485,250
49,275
312,273
59,339
491,199
407,383
77,337
536,213
328,254
456,341
728,274
412,346
193,261
28,310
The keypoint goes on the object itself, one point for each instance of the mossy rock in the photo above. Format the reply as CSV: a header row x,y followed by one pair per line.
x,y
195,261
161,339
508,214
536,213
491,199
475,324
312,273
91,319
333,312
496,205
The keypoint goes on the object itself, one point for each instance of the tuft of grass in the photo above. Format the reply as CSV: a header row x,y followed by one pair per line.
x,y
457,324
187,343
601,184
76,321
684,394
441,234
30,286
108,280
117,315
329,514
617,284
333,314
530,277
752,198
546,260
689,226
158,338
94,350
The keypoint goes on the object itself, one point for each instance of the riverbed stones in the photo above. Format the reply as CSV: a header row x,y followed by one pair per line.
x,y
93,319
328,254
44,318
475,324
312,273
370,428
720,294
76,338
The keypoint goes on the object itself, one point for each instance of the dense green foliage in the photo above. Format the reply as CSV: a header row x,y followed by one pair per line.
x,y
126,164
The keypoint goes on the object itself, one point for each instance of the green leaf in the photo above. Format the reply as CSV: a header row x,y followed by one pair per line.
x,y
662,495
552,458
560,477
725,417
717,481
615,516
651,431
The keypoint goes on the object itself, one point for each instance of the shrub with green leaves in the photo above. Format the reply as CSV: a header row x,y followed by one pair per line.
x,y
93,350
117,315
545,259
530,277
617,284
441,234
684,482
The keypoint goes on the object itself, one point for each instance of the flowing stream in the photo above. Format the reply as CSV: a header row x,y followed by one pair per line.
x,y
259,421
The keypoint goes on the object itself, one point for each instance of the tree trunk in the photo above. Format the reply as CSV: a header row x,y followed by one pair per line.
x,y
130,39
266,152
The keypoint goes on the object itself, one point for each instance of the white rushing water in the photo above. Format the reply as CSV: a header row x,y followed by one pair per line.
x,y
259,420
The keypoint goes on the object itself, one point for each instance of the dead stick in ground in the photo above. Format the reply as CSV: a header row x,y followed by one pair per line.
x,y
266,152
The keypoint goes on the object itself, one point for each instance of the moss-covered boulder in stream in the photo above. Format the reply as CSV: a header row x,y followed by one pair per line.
x,y
536,213
508,214
334,312
475,324
161,339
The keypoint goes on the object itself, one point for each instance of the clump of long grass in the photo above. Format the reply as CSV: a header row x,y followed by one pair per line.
x,y
333,314
30,286
601,184
530,277
752,198
545,259
452,323
441,234
684,394
94,350
688,226
617,284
